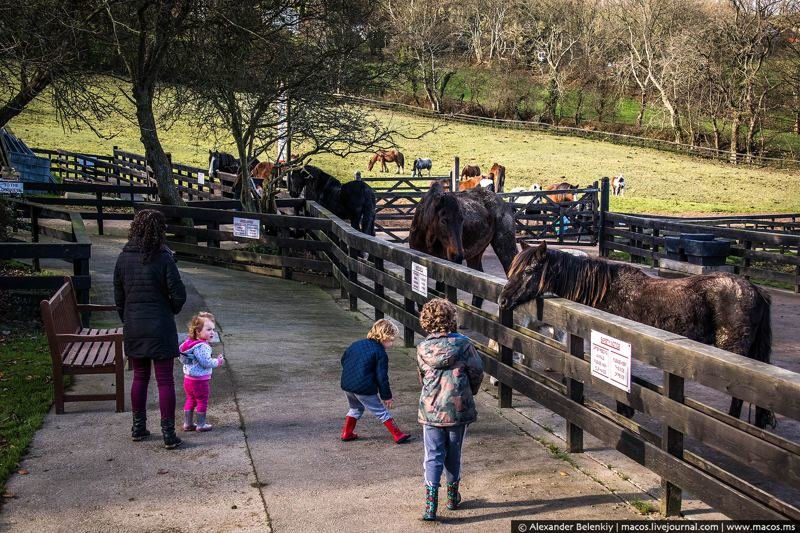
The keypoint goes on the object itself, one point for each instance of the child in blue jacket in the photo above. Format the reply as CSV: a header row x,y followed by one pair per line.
x,y
365,375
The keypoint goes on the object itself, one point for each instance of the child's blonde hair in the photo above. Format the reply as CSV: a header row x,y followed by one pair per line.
x,y
197,322
438,316
382,331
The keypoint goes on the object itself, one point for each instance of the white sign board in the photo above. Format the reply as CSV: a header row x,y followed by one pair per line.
x,y
11,187
419,279
201,178
611,360
246,227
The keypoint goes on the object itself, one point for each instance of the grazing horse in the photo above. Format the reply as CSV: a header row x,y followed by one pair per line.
x,y
470,171
458,226
618,185
353,201
421,164
564,196
498,175
388,156
719,309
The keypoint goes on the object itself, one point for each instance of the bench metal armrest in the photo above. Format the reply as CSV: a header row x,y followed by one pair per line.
x,y
83,308
77,337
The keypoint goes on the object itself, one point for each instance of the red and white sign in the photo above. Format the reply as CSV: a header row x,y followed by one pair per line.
x,y
611,360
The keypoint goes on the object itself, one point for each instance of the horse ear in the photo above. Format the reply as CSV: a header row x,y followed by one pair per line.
x,y
541,251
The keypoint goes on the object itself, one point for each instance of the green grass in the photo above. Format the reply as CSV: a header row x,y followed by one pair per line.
x,y
26,388
643,507
656,182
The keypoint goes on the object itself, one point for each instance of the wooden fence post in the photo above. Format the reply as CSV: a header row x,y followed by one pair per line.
x,y
454,175
99,196
507,358
35,234
378,264
672,443
408,305
352,276
575,393
746,262
601,233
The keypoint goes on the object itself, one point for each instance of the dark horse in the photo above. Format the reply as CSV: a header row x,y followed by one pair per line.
x,y
458,226
353,201
719,309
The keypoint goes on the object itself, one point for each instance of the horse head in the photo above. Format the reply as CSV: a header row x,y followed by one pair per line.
x,y
527,277
297,178
213,162
448,229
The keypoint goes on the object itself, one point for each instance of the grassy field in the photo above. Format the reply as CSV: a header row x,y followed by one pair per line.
x,y
656,182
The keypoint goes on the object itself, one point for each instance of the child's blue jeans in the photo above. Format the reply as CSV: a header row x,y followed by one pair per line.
x,y
442,451
358,402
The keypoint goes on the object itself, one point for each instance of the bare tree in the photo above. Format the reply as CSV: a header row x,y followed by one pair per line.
x,y
426,31
142,34
47,45
555,31
296,56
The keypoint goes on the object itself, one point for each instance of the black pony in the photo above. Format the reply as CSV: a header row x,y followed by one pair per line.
x,y
719,309
222,162
353,201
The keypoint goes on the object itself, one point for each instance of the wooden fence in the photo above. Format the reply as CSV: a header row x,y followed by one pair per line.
x,y
77,249
764,255
677,436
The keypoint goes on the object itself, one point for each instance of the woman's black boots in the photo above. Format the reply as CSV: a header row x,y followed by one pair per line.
x,y
171,440
139,428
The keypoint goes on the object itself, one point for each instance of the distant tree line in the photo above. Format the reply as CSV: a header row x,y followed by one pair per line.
x,y
720,72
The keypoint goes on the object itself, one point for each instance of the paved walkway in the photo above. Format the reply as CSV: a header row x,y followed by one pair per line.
x,y
274,461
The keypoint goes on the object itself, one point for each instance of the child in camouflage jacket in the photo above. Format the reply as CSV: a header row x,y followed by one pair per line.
x,y
450,372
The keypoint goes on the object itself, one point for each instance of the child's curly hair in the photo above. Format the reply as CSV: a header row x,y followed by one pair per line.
x,y
148,231
197,322
438,316
382,331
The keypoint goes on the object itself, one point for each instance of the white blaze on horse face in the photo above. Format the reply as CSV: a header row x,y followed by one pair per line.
x,y
211,165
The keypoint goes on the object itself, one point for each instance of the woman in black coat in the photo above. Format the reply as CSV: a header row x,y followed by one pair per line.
x,y
148,292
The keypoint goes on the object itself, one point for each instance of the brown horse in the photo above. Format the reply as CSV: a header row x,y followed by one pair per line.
x,y
470,171
469,183
388,156
719,309
262,170
458,226
561,197
498,175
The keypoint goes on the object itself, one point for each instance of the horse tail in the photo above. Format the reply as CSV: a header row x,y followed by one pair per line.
x,y
760,316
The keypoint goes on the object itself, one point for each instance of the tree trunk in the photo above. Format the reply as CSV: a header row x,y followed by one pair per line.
x,y
715,125
642,106
25,95
578,106
247,192
552,101
750,136
154,152
734,156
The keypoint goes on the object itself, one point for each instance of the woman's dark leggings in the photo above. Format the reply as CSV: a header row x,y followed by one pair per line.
x,y
166,385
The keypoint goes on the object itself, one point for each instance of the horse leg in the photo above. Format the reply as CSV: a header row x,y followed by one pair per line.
x,y
476,263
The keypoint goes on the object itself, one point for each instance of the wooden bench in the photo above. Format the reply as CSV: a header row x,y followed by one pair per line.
x,y
78,350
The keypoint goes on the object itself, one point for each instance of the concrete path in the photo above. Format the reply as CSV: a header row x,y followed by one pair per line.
x,y
274,461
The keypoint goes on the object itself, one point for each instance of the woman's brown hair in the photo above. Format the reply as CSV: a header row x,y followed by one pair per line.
x,y
148,232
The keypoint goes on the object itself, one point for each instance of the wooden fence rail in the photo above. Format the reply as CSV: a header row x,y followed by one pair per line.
x,y
77,249
677,436
772,256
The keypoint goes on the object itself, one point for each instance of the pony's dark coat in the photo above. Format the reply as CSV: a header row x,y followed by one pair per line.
x,y
353,201
719,309
458,226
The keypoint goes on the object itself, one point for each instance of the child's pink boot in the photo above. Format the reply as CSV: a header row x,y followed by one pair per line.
x,y
201,423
